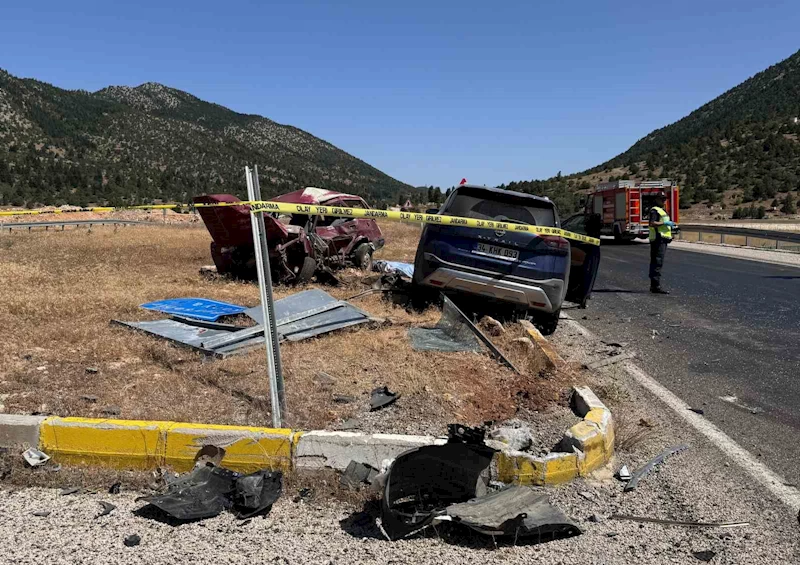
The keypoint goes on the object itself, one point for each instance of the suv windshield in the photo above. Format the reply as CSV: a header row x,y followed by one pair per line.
x,y
498,207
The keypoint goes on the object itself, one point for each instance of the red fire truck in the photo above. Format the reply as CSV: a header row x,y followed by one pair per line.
x,y
624,205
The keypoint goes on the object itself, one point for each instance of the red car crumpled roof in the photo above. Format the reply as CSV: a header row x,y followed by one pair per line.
x,y
311,195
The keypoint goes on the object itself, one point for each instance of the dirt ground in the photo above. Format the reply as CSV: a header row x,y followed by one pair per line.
x,y
60,355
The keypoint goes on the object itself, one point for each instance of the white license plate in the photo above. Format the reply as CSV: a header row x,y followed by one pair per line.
x,y
496,251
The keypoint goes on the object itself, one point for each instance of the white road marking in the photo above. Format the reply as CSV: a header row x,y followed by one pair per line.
x,y
773,482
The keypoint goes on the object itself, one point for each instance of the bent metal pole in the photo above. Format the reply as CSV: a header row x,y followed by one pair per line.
x,y
261,260
276,348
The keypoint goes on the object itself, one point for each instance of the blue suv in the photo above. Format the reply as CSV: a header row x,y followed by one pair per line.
x,y
530,272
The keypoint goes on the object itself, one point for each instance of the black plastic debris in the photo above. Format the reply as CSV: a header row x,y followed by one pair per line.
x,y
114,489
357,474
450,482
208,490
303,494
89,398
704,556
132,540
256,493
108,508
423,482
42,513
516,511
382,397
698,411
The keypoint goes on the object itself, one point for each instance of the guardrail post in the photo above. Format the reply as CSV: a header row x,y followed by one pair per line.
x,y
747,241
721,238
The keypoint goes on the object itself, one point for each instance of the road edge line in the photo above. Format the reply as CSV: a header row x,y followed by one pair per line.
x,y
772,481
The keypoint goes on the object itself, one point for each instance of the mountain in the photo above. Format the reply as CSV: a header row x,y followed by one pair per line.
x,y
124,145
743,146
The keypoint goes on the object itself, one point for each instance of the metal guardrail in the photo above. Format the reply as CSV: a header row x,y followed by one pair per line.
x,y
790,241
47,225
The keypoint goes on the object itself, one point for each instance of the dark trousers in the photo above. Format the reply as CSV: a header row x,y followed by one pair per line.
x,y
657,250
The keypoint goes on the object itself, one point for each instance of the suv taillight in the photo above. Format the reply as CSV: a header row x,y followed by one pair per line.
x,y
555,242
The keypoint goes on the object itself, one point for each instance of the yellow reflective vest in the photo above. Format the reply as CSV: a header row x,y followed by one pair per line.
x,y
665,231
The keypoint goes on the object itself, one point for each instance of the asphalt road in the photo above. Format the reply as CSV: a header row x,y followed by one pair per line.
x,y
729,328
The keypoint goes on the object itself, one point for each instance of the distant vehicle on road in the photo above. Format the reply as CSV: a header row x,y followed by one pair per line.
x,y
624,206
300,245
532,273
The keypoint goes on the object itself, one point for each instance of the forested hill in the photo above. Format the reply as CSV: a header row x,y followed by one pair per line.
x,y
124,145
743,146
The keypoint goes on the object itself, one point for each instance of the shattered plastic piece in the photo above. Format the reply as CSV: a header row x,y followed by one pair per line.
x,y
646,469
349,424
698,411
382,397
207,491
132,540
457,433
108,508
516,511
203,493
357,474
423,482
34,457
42,513
679,523
114,489
705,556
256,493
303,494
69,490
624,473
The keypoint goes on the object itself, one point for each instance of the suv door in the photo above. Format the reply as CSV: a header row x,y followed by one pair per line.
x,y
585,260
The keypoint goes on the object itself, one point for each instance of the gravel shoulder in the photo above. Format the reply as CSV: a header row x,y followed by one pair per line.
x,y
696,485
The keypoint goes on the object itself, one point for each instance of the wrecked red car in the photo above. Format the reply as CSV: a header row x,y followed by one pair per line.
x,y
299,245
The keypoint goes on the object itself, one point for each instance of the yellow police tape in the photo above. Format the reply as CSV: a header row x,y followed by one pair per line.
x,y
344,212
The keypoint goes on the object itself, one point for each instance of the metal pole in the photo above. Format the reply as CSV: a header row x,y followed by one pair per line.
x,y
273,384
276,349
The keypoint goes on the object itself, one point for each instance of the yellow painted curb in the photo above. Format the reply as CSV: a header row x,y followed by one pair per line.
x,y
123,444
132,444
247,449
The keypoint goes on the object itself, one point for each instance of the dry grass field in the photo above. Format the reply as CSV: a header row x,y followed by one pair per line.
x,y
60,355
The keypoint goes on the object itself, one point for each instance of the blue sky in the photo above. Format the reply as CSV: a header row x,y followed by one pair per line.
x,y
428,92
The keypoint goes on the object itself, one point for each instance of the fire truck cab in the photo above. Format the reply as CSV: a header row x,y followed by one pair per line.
x,y
624,205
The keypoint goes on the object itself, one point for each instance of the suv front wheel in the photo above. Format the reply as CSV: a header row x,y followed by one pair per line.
x,y
545,321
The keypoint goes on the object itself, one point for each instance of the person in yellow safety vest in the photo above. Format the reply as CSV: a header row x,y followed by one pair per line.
x,y
660,236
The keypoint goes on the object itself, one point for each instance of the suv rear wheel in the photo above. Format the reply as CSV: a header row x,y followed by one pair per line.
x,y
546,322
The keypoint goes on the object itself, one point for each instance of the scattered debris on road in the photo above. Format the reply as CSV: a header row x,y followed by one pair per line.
x,y
132,540
450,483
108,508
678,522
624,473
34,457
115,488
42,513
382,397
609,361
642,472
208,490
705,556
358,474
